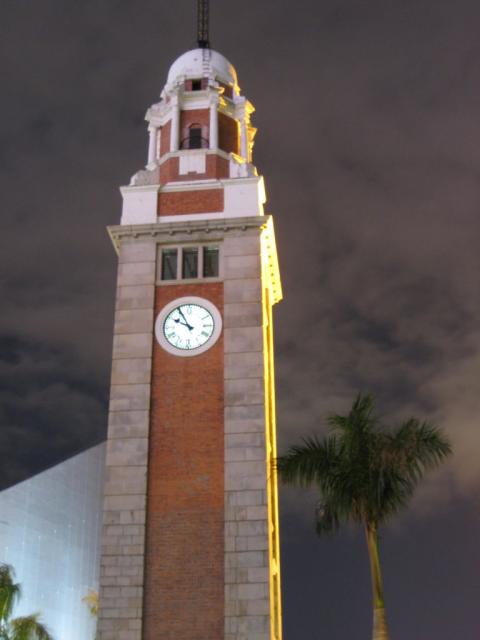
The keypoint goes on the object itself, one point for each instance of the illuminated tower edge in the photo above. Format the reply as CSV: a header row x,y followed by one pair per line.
x,y
190,545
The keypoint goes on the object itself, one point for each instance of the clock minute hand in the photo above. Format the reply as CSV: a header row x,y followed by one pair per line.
x,y
185,320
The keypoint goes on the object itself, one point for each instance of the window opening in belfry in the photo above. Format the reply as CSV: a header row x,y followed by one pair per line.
x,y
195,137
190,263
210,262
196,85
169,264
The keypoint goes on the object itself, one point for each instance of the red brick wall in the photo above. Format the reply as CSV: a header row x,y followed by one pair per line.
x,y
184,581
228,134
165,138
169,170
199,201
217,167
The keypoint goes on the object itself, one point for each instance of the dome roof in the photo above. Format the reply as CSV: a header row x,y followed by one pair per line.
x,y
197,63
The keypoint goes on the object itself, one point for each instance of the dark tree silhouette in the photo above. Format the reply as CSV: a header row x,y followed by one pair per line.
x,y
25,628
366,473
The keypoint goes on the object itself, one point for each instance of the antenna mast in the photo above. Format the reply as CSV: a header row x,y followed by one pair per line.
x,y
202,24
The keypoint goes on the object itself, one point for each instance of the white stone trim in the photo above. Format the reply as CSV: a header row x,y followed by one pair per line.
x,y
242,197
218,215
178,154
195,161
187,229
195,185
194,100
140,204
213,142
175,127
159,114
152,146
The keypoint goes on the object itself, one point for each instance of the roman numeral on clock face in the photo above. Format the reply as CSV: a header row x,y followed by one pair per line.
x,y
188,326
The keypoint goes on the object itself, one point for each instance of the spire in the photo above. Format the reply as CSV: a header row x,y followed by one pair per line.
x,y
202,24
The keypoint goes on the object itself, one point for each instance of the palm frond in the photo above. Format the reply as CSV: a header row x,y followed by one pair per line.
x,y
10,592
29,628
417,447
360,418
327,517
309,462
92,601
364,471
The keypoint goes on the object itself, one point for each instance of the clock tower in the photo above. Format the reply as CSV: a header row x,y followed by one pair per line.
x,y
190,546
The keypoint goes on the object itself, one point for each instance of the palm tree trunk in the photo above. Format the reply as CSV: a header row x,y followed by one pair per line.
x,y
380,630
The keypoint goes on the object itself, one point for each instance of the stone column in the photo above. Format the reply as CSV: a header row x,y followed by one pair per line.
x,y
175,129
152,146
213,133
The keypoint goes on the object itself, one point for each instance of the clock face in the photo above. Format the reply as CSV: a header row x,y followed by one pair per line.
x,y
188,326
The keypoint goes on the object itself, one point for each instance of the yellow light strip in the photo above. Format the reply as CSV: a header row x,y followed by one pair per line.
x,y
272,293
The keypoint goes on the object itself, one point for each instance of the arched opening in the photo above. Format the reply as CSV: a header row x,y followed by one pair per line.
x,y
195,136
194,139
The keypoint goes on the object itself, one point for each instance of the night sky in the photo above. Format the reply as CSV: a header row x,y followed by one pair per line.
x,y
369,141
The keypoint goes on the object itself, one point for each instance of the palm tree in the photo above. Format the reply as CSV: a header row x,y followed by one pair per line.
x,y
25,628
92,602
365,473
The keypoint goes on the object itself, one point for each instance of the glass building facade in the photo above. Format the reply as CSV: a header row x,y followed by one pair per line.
x,y
50,527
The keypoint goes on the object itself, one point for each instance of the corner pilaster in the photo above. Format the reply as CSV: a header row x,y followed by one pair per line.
x,y
124,511
249,602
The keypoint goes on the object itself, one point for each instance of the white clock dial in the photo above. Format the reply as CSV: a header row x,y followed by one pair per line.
x,y
188,326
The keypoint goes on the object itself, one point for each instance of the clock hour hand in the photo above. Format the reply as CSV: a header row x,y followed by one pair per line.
x,y
185,320
184,324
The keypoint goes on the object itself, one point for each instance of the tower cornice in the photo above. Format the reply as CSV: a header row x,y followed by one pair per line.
x,y
196,231
161,231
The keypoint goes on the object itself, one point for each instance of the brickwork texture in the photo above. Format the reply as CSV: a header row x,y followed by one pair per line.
x,y
180,202
184,587
216,168
228,134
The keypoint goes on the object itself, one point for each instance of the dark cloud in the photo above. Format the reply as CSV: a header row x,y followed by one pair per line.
x,y
368,139
51,405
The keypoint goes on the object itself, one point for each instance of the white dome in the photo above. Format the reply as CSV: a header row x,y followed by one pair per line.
x,y
197,63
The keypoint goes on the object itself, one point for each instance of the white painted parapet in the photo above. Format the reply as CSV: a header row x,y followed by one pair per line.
x,y
139,204
242,197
